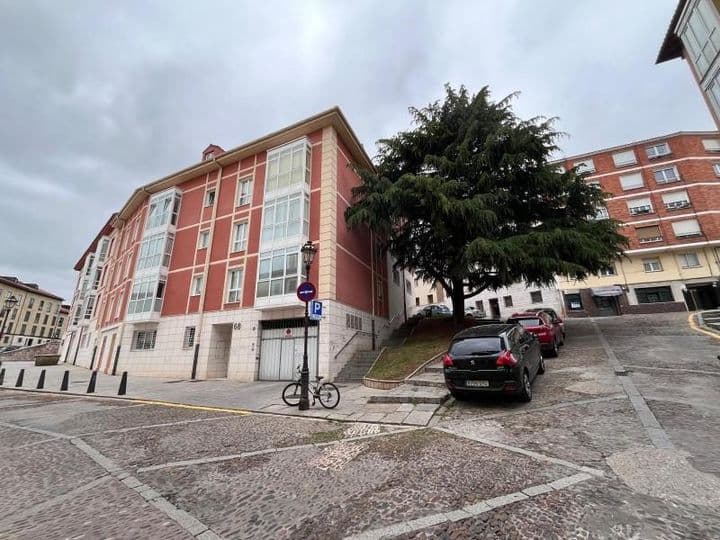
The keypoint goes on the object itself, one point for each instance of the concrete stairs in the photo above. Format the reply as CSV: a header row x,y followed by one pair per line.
x,y
428,386
357,367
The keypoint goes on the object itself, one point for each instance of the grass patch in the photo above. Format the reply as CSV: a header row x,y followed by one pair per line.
x,y
431,337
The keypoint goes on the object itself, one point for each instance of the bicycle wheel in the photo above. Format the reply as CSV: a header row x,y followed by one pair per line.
x,y
291,394
329,395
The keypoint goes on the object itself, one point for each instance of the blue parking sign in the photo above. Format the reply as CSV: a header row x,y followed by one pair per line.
x,y
316,310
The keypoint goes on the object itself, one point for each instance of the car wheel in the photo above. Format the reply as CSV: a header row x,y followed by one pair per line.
x,y
562,338
541,367
554,351
526,389
459,396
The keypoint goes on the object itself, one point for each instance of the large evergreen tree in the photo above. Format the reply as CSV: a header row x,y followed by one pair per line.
x,y
468,199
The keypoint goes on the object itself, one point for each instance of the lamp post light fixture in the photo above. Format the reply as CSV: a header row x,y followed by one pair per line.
x,y
10,303
308,254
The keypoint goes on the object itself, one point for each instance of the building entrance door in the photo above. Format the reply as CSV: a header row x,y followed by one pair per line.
x,y
494,308
606,305
281,349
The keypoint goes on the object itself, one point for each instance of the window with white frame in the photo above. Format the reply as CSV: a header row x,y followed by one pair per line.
x,y
188,337
144,340
607,271
197,285
601,212
621,159
210,197
652,265
651,233
102,252
631,181
146,296
701,36
711,145
666,175
288,166
716,169
676,200
203,239
585,166
244,191
689,260
89,307
657,150
278,272
155,251
686,227
240,236
234,284
163,210
285,217
640,206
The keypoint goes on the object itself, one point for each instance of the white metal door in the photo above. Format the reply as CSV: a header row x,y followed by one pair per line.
x,y
281,352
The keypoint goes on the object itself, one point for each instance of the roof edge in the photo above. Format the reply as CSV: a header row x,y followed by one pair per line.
x,y
671,46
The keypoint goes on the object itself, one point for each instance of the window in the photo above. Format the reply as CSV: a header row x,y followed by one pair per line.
x,y
408,287
282,218
203,239
244,192
649,234
651,295
666,175
601,213
89,307
155,251
417,301
624,158
278,272
37,318
640,206
585,166
430,298
9,328
26,318
41,305
396,277
104,244
146,296
536,297
479,305
234,284
22,329
34,329
353,321
716,168
607,271
689,260
652,265
144,340
287,166
188,337
675,200
711,145
239,236
31,302
686,227
657,150
508,301
631,181
210,197
701,37
45,319
163,210
197,285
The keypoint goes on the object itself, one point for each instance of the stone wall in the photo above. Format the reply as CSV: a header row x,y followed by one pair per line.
x,y
27,354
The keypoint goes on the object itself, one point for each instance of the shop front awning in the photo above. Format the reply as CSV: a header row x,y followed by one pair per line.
x,y
612,290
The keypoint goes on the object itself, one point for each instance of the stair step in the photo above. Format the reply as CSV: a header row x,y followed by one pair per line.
x,y
433,369
426,382
409,399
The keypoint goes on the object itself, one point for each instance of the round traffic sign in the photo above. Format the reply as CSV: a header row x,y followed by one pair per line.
x,y
306,291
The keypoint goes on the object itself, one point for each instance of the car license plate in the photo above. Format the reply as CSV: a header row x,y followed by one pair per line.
x,y
481,384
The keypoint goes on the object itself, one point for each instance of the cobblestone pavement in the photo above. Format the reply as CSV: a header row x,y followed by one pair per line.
x,y
594,455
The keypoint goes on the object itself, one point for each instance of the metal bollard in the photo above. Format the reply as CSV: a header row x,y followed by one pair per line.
x,y
66,381
91,384
123,384
19,381
41,380
2,376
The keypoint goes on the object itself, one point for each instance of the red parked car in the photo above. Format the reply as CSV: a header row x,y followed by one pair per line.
x,y
540,324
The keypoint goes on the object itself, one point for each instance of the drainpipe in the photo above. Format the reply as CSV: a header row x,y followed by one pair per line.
x,y
372,287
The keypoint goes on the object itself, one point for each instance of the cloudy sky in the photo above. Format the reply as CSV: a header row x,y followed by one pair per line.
x,y
97,98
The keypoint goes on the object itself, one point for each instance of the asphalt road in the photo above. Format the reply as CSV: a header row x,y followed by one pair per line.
x,y
594,455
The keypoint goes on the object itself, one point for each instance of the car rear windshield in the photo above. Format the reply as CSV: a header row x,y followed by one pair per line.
x,y
476,346
525,323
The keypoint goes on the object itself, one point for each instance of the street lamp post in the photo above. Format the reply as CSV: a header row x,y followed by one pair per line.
x,y
308,254
10,303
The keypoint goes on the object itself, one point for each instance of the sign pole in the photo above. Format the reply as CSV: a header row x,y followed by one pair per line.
x,y
304,404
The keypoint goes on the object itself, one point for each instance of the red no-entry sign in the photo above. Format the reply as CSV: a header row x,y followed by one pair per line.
x,y
306,291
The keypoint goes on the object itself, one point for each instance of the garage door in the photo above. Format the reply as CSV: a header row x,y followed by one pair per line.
x,y
281,349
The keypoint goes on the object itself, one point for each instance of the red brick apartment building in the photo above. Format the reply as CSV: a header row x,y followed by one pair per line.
x,y
196,274
666,192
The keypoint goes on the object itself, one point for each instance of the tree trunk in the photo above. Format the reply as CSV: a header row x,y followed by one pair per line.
x,y
458,301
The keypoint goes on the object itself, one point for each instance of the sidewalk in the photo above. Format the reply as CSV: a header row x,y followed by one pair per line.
x,y
260,396
709,321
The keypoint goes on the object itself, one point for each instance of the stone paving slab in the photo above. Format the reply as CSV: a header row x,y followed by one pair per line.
x,y
348,487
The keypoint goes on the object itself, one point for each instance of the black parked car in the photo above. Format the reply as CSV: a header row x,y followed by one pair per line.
x,y
495,358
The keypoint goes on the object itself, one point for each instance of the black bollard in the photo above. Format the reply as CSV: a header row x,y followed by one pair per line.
x,y
123,384
41,380
2,376
91,384
19,381
66,381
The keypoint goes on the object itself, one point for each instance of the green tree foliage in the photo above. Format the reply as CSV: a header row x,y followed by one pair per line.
x,y
468,199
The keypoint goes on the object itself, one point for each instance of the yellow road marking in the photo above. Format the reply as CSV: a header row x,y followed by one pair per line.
x,y
694,326
194,407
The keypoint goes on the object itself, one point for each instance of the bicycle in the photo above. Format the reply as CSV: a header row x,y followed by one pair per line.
x,y
327,393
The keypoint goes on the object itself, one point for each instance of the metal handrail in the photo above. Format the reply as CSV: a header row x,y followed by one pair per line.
x,y
349,340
